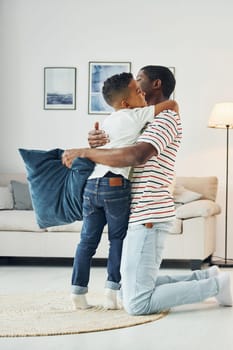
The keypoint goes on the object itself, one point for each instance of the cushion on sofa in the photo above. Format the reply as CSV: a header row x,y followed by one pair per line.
x,y
183,195
206,185
56,190
73,227
202,207
21,195
18,220
6,198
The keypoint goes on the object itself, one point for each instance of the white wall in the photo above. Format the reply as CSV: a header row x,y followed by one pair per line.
x,y
193,36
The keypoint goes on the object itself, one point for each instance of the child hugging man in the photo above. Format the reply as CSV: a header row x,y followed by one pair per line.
x,y
106,198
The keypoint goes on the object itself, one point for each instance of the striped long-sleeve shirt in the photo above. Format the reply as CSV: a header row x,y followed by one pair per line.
x,y
151,198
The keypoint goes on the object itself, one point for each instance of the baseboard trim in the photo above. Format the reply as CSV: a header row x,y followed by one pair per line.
x,y
97,262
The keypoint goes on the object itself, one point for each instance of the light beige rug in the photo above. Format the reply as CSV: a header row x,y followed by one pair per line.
x,y
52,314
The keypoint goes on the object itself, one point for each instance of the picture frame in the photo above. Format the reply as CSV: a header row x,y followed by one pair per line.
x,y
60,88
98,73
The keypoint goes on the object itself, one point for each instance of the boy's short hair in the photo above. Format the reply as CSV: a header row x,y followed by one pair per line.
x,y
164,74
116,87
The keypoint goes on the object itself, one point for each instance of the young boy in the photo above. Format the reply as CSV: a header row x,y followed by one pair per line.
x,y
107,192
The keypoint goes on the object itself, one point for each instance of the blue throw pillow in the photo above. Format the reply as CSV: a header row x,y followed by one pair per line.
x,y
56,190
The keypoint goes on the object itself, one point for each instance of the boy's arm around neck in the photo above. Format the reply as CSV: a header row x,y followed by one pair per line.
x,y
168,104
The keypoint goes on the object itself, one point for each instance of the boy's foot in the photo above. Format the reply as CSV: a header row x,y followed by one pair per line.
x,y
111,302
213,271
224,296
79,301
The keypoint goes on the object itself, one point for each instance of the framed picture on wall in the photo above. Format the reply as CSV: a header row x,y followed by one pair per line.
x,y
59,88
98,73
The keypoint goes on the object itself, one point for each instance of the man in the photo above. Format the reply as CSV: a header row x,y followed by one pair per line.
x,y
152,210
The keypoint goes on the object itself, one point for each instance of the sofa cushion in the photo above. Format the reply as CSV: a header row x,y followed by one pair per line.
x,y
206,185
6,198
182,195
202,207
56,190
74,227
21,195
18,220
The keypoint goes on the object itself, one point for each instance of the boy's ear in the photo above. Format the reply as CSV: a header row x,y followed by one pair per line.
x,y
157,84
124,104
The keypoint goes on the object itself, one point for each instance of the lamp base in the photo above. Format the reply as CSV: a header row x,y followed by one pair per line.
x,y
222,262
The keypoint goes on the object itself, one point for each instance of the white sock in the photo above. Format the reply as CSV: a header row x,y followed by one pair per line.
x,y
79,301
110,301
224,296
213,271
119,299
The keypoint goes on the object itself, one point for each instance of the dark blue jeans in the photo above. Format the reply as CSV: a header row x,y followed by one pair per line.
x,y
105,201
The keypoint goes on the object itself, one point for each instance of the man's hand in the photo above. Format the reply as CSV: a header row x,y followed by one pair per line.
x,y
96,137
70,154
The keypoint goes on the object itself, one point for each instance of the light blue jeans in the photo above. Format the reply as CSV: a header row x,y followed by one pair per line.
x,y
143,291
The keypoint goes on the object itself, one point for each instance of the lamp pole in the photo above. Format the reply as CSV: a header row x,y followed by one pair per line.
x,y
222,118
226,208
226,263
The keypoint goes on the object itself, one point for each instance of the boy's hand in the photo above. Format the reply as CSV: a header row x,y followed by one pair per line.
x,y
97,137
69,155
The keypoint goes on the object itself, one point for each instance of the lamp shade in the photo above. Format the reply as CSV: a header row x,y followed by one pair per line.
x,y
221,116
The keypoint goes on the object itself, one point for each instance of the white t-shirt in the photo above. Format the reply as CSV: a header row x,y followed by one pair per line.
x,y
123,127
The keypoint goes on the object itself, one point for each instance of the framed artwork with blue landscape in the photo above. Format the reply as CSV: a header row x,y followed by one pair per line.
x,y
59,88
98,73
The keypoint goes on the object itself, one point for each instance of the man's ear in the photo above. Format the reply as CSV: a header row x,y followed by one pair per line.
x,y
157,84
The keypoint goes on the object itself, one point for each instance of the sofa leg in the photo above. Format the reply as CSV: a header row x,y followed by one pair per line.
x,y
209,260
195,264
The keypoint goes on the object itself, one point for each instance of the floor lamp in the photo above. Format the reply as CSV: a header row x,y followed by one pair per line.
x,y
222,117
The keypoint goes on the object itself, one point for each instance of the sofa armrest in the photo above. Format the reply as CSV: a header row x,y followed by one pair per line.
x,y
202,207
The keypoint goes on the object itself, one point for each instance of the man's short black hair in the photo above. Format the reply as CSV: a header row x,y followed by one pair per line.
x,y
116,86
165,75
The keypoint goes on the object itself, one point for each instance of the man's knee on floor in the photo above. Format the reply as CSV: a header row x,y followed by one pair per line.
x,y
136,308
